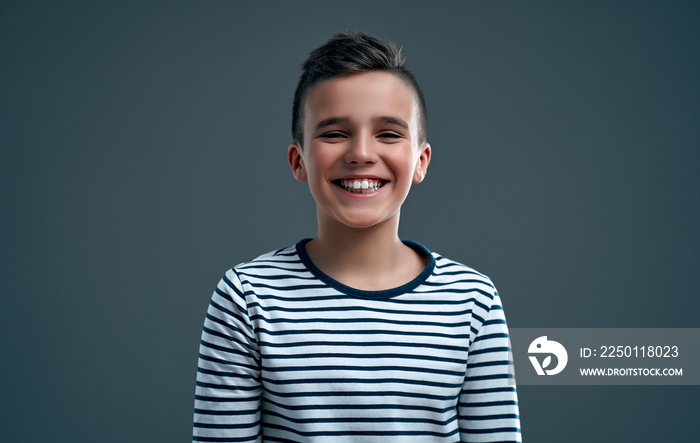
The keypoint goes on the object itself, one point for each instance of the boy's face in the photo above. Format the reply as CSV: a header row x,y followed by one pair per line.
x,y
361,151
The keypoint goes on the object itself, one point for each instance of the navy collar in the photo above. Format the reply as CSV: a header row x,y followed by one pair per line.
x,y
373,295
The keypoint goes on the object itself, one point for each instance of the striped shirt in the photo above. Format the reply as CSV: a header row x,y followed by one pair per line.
x,y
289,354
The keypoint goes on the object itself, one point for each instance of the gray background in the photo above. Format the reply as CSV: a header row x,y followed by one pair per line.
x,y
143,152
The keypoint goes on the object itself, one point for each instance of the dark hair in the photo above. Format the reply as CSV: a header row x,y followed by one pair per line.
x,y
350,53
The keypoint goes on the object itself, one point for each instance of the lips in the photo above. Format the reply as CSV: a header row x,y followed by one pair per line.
x,y
360,185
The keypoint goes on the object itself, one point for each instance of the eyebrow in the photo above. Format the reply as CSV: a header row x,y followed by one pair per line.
x,y
330,121
336,120
392,121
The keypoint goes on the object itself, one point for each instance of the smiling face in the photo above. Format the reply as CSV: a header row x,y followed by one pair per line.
x,y
361,151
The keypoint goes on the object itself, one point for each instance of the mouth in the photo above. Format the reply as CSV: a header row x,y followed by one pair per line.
x,y
360,185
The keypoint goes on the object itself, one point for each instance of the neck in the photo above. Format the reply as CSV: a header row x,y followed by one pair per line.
x,y
367,242
371,258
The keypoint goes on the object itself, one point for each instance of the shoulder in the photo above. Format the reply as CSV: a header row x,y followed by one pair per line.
x,y
476,287
452,275
276,265
447,269
277,259
269,270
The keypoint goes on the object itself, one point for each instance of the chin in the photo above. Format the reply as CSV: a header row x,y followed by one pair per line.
x,y
363,221
361,225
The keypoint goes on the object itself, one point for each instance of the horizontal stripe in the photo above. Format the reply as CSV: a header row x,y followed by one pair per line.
x,y
488,431
357,393
205,344
360,407
364,355
225,439
361,368
347,309
359,419
371,332
226,387
210,399
350,381
222,361
358,320
357,432
490,417
393,344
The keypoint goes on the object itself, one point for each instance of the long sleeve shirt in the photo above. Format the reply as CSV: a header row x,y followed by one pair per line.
x,y
289,354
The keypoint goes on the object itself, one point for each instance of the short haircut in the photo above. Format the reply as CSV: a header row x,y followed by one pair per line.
x,y
350,53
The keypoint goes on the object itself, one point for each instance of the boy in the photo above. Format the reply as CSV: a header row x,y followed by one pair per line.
x,y
355,335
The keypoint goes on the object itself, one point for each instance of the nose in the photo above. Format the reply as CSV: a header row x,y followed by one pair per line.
x,y
361,150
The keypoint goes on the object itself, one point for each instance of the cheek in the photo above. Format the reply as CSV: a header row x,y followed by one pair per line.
x,y
404,166
315,167
320,162
318,166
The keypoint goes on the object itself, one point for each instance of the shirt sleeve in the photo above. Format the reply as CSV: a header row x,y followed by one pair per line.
x,y
227,396
488,403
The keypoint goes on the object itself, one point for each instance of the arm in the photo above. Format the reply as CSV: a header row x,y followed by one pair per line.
x,y
227,397
488,403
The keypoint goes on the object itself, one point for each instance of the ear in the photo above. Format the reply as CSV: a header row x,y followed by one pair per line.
x,y
422,163
296,162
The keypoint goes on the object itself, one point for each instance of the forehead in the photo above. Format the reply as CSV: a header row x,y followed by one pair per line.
x,y
361,96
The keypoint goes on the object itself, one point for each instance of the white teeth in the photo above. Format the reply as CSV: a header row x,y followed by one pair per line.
x,y
363,186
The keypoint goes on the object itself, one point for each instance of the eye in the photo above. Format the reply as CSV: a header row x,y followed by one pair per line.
x,y
333,135
389,135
